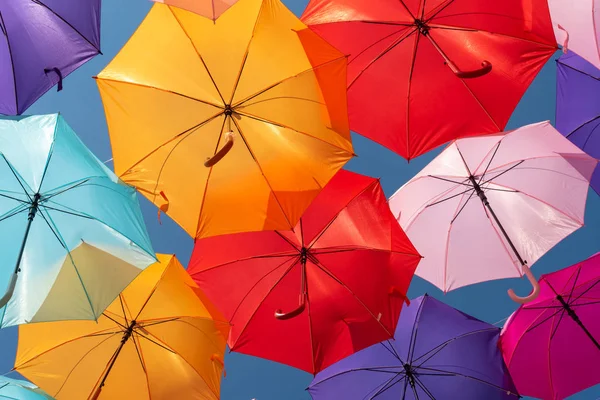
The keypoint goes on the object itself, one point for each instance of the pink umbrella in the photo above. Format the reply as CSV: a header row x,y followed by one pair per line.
x,y
551,344
489,206
208,8
577,27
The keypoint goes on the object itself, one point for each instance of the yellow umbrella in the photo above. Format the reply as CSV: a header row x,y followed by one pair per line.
x,y
161,339
227,126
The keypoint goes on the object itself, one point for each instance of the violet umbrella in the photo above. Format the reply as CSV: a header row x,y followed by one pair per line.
x,y
41,42
578,105
438,352
551,345
488,207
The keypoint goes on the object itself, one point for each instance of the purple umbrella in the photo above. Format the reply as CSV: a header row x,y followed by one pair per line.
x,y
438,353
578,106
41,42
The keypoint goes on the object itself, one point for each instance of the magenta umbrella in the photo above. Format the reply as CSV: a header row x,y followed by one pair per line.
x,y
487,207
551,344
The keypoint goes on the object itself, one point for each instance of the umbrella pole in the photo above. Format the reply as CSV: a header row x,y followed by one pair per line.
x,y
575,318
524,267
13,282
303,291
124,340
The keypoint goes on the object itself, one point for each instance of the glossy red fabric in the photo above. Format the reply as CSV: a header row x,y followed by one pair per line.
x,y
359,267
403,93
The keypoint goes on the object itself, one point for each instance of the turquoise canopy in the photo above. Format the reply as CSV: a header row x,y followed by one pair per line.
x,y
71,234
20,390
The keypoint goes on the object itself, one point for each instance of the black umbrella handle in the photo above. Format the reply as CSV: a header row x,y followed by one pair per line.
x,y
60,77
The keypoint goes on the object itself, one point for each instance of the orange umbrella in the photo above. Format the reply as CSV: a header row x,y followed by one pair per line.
x,y
229,126
160,339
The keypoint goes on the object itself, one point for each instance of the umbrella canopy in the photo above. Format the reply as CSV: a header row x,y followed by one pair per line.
x,y
437,353
17,389
207,8
578,105
551,344
41,42
487,207
160,339
350,259
257,92
59,207
424,72
576,26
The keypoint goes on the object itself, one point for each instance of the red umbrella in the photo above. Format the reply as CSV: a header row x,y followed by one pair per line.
x,y
424,72
347,259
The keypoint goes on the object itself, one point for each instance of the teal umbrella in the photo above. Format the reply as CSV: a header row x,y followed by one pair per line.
x,y
71,234
20,390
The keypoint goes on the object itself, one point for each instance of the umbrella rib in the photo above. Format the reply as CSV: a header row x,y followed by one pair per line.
x,y
414,389
151,293
263,174
463,207
142,85
392,350
123,309
388,385
586,290
67,212
333,250
322,267
407,10
583,73
63,189
450,198
349,371
138,351
431,353
17,178
463,183
199,55
537,323
423,388
503,172
435,12
271,122
275,84
555,327
354,57
261,257
144,325
448,373
384,52
413,333
13,198
114,320
12,62
289,241
310,332
68,23
489,162
156,343
15,211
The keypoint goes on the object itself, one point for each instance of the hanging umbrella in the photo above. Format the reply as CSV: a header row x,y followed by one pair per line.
x,y
18,389
59,207
551,345
350,259
437,353
578,105
257,92
488,207
421,73
41,42
160,339
576,26
207,8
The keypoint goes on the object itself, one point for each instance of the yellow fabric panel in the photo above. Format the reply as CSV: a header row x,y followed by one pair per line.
x,y
101,273
142,120
171,377
196,354
163,51
222,44
71,371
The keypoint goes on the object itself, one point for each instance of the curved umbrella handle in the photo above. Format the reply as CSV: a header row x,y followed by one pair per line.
x,y
211,161
486,67
534,293
294,313
9,292
565,43
60,77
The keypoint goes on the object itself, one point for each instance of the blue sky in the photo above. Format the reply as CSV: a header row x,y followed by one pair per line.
x,y
249,377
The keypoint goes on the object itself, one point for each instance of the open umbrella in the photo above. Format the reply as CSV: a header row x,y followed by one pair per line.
x,y
310,297
578,105
59,207
208,8
421,73
551,345
257,93
41,42
487,207
160,339
437,353
576,26
17,389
